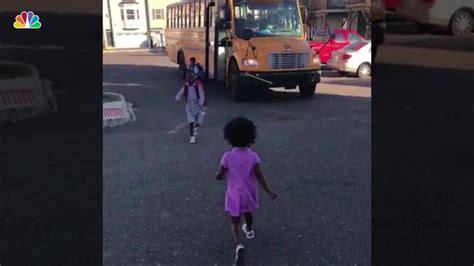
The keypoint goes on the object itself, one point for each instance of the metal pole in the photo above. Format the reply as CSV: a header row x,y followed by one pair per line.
x,y
147,16
111,24
207,24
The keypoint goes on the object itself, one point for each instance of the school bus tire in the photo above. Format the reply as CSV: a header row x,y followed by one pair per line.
x,y
307,90
234,84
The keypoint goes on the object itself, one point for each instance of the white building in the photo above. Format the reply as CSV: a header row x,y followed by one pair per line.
x,y
125,23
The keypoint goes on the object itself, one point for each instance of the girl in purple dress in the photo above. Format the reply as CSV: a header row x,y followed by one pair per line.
x,y
241,167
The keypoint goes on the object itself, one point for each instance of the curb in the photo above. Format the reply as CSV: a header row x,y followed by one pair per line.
x,y
125,50
425,57
117,112
27,96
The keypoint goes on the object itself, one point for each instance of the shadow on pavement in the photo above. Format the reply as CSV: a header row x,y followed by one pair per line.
x,y
146,77
350,82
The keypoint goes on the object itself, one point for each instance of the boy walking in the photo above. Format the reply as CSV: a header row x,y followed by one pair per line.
x,y
196,68
194,97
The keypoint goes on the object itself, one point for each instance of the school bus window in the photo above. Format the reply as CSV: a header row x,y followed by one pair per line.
x,y
189,15
193,15
196,14
175,12
183,16
180,17
199,14
173,18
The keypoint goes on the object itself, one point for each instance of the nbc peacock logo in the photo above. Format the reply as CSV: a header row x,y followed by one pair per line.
x,y
27,21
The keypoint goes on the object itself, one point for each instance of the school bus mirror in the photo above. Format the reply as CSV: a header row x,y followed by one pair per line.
x,y
247,34
304,14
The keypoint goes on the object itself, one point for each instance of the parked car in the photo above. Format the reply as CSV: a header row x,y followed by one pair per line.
x,y
356,58
454,15
391,4
325,45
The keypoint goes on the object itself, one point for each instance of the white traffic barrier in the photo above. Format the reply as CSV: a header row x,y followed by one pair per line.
x,y
23,94
116,112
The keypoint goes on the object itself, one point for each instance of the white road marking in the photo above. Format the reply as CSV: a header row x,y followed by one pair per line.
x,y
34,47
178,128
122,84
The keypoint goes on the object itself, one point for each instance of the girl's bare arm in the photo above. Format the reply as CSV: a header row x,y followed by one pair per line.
x,y
262,181
221,173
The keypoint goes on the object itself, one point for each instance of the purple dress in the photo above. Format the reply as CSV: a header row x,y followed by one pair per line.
x,y
241,195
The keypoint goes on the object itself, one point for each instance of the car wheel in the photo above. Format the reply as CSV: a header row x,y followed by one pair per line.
x,y
364,71
234,84
307,90
424,28
343,73
461,23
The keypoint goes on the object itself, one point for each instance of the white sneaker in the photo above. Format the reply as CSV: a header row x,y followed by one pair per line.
x,y
239,255
192,140
249,234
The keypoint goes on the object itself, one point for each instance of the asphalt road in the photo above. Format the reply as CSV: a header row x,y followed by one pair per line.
x,y
162,205
422,159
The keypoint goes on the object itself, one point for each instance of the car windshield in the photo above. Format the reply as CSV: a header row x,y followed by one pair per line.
x,y
268,18
355,46
8,71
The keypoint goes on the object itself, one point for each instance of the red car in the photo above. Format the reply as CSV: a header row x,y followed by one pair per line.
x,y
391,4
325,45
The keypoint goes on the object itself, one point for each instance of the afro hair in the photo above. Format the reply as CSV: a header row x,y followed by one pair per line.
x,y
240,132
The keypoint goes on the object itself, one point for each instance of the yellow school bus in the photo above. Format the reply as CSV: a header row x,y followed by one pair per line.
x,y
247,44
378,24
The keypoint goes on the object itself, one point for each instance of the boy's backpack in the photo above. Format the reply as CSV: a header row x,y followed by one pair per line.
x,y
200,70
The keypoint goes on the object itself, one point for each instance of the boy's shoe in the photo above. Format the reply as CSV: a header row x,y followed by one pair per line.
x,y
239,255
249,234
192,140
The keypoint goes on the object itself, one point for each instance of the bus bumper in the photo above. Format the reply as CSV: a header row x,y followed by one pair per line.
x,y
279,79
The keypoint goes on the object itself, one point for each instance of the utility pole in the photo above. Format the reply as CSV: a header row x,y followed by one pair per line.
x,y
111,25
147,15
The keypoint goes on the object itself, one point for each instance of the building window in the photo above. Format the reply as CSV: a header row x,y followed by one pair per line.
x,y
158,14
121,14
130,14
138,14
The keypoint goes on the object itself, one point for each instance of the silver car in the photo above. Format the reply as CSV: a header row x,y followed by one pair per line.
x,y
454,15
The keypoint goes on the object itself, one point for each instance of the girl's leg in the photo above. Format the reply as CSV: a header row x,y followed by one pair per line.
x,y
248,220
191,129
235,229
